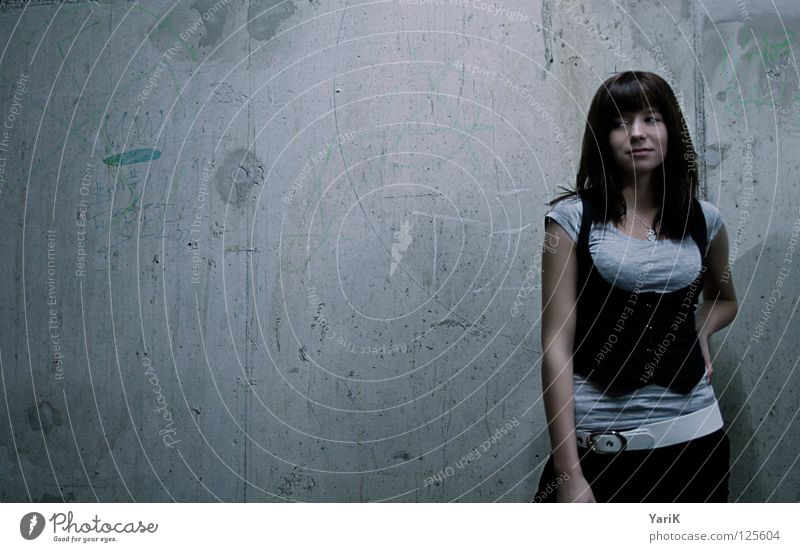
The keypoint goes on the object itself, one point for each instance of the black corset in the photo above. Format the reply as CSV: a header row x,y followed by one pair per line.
x,y
625,340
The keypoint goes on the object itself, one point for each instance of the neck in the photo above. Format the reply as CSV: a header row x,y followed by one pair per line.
x,y
639,192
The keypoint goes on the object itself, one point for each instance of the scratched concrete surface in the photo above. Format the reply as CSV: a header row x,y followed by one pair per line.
x,y
263,251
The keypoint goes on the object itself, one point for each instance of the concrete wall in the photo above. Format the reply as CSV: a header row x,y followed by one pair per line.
x,y
287,251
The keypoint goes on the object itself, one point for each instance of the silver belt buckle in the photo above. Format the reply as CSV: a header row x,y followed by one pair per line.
x,y
607,442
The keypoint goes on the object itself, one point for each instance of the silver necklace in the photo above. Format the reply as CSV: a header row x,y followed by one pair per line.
x,y
651,234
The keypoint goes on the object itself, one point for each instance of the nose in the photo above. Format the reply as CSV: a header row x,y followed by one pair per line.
x,y
637,128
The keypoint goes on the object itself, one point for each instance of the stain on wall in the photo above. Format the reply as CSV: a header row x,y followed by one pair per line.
x,y
238,177
266,16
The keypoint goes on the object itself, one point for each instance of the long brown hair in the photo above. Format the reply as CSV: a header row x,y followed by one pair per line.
x,y
598,178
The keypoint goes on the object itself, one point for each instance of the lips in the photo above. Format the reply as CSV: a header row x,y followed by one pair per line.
x,y
641,150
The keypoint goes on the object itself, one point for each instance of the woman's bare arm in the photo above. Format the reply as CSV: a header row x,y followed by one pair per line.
x,y
719,305
559,296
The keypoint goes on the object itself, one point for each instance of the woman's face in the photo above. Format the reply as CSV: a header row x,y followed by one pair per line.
x,y
638,141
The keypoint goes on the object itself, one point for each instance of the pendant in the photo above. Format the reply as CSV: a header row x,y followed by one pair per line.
x,y
651,235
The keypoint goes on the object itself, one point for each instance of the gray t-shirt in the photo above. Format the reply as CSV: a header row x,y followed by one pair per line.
x,y
661,266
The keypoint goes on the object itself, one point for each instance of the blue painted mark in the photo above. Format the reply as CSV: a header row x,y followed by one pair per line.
x,y
133,156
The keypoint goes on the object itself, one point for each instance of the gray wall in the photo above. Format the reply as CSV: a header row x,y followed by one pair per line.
x,y
287,251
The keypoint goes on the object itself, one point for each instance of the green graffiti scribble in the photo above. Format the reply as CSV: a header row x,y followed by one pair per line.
x,y
141,155
754,66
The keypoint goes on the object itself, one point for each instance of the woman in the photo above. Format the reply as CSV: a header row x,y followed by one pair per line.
x,y
626,369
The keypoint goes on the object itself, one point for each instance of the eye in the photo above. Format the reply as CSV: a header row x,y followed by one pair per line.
x,y
654,118
619,123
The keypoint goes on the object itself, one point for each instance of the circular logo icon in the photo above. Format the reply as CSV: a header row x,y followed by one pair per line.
x,y
31,525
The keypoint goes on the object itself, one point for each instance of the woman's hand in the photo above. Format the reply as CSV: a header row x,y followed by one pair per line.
x,y
702,338
575,489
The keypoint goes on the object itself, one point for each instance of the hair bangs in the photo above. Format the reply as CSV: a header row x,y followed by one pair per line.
x,y
632,94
